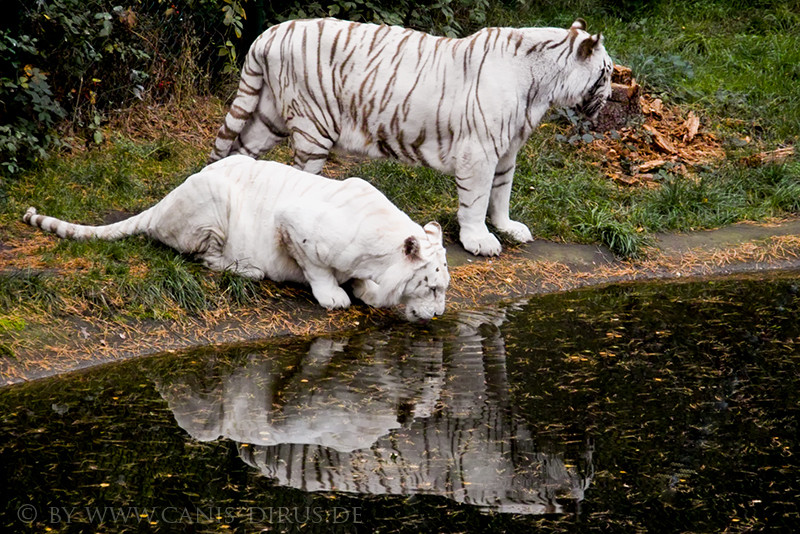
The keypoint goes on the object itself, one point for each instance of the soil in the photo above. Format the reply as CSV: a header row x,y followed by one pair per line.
x,y
535,268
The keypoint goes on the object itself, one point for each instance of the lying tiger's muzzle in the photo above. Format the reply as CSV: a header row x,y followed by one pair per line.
x,y
423,310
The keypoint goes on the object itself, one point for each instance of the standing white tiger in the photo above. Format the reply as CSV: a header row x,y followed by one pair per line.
x,y
461,106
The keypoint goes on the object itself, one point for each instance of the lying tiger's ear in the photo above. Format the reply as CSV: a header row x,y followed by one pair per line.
x,y
411,247
434,231
579,24
589,45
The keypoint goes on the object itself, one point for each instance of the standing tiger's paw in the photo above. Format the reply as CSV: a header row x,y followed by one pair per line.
x,y
331,297
484,244
516,230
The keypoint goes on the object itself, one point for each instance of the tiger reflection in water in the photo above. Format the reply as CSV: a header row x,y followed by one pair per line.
x,y
436,421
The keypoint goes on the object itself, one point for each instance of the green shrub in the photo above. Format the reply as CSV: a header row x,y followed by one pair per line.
x,y
78,59
27,109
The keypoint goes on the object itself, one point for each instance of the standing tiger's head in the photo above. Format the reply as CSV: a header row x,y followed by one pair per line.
x,y
424,292
591,76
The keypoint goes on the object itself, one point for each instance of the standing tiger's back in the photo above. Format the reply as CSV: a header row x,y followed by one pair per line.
x,y
461,106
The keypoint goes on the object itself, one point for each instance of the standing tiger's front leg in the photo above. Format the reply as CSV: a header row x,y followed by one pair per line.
x,y
500,200
474,189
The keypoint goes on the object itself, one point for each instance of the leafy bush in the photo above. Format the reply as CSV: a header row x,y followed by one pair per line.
x,y
27,108
78,59
452,18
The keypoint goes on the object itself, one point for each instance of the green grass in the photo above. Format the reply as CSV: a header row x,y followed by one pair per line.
x,y
728,58
563,197
735,63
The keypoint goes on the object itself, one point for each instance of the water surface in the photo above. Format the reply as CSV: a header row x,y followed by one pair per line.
x,y
657,407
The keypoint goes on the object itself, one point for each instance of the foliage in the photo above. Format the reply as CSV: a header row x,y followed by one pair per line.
x,y
453,18
27,109
77,60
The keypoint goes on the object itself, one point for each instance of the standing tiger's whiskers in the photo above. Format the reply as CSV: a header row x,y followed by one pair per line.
x,y
461,106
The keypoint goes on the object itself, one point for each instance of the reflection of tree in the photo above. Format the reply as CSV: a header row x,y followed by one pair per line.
x,y
394,413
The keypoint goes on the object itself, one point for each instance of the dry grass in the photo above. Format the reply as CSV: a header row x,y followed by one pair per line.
x,y
499,279
25,252
195,122
513,276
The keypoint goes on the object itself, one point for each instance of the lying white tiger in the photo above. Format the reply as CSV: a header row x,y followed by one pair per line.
x,y
461,106
267,220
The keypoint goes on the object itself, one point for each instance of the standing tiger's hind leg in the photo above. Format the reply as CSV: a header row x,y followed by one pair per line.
x,y
310,151
259,135
500,199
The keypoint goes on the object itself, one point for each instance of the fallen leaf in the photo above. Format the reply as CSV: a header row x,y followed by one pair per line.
x,y
648,166
661,141
773,156
692,124
627,180
657,107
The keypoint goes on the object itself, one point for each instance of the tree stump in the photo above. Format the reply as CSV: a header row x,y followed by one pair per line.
x,y
623,103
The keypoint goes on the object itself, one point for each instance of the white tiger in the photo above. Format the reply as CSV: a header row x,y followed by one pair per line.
x,y
461,106
263,219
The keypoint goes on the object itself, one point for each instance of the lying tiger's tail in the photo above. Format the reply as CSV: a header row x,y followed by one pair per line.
x,y
135,225
243,107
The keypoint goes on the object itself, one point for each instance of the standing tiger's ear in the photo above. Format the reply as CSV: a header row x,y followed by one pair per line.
x,y
411,247
579,24
589,45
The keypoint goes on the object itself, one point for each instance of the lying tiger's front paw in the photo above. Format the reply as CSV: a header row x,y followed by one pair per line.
x,y
366,291
331,298
484,244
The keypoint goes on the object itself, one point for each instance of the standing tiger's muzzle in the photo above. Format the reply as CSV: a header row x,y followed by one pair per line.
x,y
597,95
591,109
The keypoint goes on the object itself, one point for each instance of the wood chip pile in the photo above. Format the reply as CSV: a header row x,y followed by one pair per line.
x,y
661,137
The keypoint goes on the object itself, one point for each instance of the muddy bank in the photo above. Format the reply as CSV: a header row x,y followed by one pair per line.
x,y
539,267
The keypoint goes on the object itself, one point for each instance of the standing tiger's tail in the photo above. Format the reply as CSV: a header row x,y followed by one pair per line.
x,y
242,108
134,225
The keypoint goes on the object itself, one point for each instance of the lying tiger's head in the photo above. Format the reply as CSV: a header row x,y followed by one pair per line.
x,y
592,74
424,291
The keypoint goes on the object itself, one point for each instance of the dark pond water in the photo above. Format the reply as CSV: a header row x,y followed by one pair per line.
x,y
631,408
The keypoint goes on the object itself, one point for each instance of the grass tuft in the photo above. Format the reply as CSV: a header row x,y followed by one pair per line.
x,y
25,288
600,224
